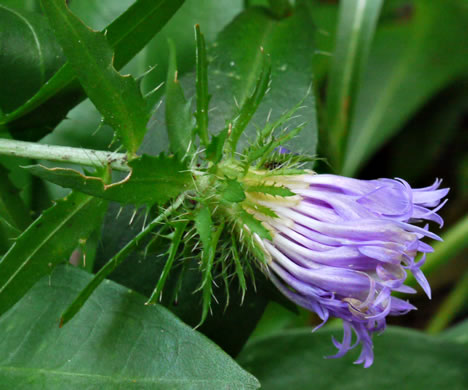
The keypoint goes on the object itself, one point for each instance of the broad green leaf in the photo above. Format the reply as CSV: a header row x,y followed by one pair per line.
x,y
236,64
30,55
115,342
355,30
408,63
152,180
179,121
118,98
127,35
294,360
48,241
203,96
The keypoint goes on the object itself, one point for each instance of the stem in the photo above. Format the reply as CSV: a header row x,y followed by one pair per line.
x,y
455,240
87,157
450,307
115,261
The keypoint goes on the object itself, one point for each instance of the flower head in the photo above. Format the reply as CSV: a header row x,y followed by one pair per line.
x,y
341,246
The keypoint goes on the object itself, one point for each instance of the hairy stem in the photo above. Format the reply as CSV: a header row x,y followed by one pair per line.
x,y
80,156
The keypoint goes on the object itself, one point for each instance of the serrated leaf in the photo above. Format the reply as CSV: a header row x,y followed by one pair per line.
x,y
48,241
251,103
236,65
209,239
270,190
356,26
152,180
114,343
118,98
127,35
253,224
214,151
232,191
179,121
203,97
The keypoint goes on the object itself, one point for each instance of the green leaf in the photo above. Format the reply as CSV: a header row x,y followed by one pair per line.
x,y
270,190
237,64
118,98
179,120
408,63
232,191
203,97
254,225
214,151
173,248
457,333
115,342
250,105
30,55
229,328
152,180
356,26
294,360
48,241
13,211
127,35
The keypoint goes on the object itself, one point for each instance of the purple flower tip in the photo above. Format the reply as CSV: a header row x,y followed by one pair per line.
x,y
342,246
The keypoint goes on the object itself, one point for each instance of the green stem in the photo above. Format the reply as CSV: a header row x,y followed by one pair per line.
x,y
450,307
115,262
455,240
86,157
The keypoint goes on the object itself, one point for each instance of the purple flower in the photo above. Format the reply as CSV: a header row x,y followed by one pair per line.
x,y
341,246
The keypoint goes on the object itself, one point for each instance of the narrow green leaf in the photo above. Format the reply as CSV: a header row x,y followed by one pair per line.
x,y
115,261
48,241
204,225
127,35
174,247
402,74
356,26
253,224
403,359
239,268
179,121
203,98
250,105
115,343
270,190
118,98
237,63
205,229
152,180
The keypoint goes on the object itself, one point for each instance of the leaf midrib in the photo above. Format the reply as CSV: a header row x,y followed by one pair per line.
x,y
118,379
